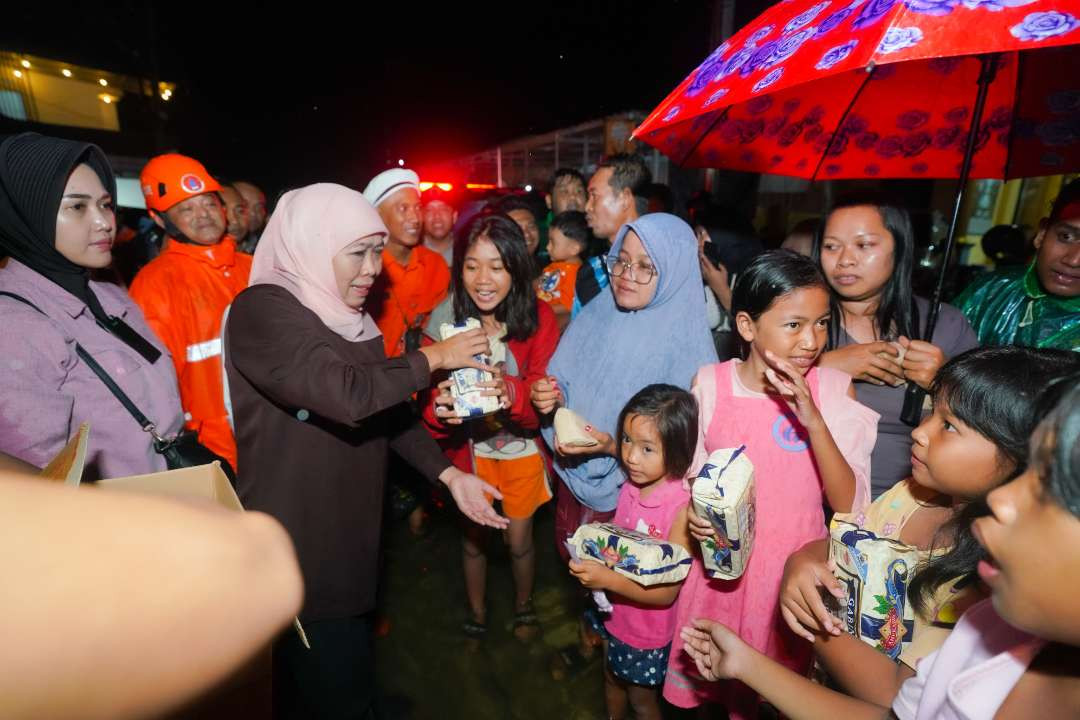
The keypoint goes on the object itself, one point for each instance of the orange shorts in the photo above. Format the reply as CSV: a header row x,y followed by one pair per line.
x,y
522,482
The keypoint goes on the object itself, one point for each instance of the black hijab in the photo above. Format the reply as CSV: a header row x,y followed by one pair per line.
x,y
34,170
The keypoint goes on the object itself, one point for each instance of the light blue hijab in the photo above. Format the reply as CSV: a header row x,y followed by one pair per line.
x,y
607,354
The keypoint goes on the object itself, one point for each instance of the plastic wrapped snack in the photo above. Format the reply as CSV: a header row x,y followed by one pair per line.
x,y
468,400
642,558
570,429
875,573
723,494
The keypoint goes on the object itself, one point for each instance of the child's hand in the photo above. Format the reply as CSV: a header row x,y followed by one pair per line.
x,y
790,384
700,528
800,597
496,387
591,574
545,395
718,652
921,361
605,446
444,404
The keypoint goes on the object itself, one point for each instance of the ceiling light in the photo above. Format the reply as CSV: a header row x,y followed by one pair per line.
x,y
65,72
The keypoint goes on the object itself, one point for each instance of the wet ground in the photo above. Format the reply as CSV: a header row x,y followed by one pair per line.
x,y
428,669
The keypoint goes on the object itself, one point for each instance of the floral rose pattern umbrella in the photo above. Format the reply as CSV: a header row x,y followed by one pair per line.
x,y
827,89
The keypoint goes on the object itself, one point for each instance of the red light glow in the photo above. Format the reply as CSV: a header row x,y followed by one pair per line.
x,y
444,186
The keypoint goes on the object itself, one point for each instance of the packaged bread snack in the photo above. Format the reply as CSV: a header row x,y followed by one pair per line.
x,y
642,558
875,573
469,402
570,429
723,494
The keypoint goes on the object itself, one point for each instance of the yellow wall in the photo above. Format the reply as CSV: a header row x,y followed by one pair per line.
x,y
66,101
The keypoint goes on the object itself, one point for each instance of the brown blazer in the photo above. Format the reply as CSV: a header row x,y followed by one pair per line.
x,y
314,415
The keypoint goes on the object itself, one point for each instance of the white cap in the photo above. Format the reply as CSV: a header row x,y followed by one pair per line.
x,y
388,182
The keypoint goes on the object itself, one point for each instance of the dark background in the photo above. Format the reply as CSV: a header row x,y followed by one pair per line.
x,y
337,92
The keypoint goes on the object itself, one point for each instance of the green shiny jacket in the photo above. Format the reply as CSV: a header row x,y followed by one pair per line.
x,y
1009,307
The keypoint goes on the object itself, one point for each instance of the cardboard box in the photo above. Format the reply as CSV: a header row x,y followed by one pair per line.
x,y
205,481
67,466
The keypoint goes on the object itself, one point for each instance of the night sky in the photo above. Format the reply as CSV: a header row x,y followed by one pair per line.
x,y
316,94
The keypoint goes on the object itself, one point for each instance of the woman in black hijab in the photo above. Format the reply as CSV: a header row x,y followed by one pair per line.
x,y
57,224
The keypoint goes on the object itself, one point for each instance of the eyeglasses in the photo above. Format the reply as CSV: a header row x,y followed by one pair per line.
x,y
644,273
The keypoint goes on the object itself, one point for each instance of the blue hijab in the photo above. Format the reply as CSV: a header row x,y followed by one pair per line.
x,y
607,354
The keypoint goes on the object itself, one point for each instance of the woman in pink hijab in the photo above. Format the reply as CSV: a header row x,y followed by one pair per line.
x,y
316,404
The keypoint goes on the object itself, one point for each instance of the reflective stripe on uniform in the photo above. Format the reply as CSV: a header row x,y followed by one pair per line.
x,y
204,350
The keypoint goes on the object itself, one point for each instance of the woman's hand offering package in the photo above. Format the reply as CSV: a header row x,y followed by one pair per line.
x,y
723,494
469,400
642,558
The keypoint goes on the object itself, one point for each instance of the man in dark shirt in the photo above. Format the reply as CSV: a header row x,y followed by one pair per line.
x,y
616,195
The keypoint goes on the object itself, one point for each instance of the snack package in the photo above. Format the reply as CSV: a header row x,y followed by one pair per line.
x,y
570,429
875,573
599,596
642,558
468,401
723,494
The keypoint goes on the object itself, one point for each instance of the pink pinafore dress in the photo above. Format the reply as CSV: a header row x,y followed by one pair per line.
x,y
789,514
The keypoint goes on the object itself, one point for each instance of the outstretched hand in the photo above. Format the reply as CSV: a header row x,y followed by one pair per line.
x,y
717,652
469,493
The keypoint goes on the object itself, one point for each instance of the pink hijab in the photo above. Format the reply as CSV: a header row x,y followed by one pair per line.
x,y
308,228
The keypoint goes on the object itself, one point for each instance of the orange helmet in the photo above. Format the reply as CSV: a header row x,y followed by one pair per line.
x,y
169,179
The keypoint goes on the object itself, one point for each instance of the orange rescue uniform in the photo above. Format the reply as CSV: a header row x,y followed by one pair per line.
x,y
406,294
184,292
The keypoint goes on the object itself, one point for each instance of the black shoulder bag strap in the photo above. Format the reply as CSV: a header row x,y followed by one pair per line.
x,y
91,363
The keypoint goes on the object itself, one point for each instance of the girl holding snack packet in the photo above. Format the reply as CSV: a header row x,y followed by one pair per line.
x,y
809,442
648,328
492,282
985,409
655,446
1015,655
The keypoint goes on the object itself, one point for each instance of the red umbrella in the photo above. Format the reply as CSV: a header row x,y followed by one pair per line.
x,y
883,88
886,88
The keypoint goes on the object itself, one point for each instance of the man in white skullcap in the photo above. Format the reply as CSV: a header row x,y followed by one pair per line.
x,y
414,279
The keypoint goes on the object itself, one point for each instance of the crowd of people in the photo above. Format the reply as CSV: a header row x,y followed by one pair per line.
x,y
302,346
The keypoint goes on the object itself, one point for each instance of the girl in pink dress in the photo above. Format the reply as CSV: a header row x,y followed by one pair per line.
x,y
1015,655
657,430
810,443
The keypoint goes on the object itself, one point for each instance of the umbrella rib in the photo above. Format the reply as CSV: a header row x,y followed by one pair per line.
x,y
720,116
1013,123
847,111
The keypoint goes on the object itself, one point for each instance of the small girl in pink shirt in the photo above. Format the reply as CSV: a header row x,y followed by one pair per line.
x,y
657,436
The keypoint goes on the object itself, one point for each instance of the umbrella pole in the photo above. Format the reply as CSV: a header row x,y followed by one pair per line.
x,y
913,398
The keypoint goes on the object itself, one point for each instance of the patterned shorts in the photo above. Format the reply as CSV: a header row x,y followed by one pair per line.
x,y
637,667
